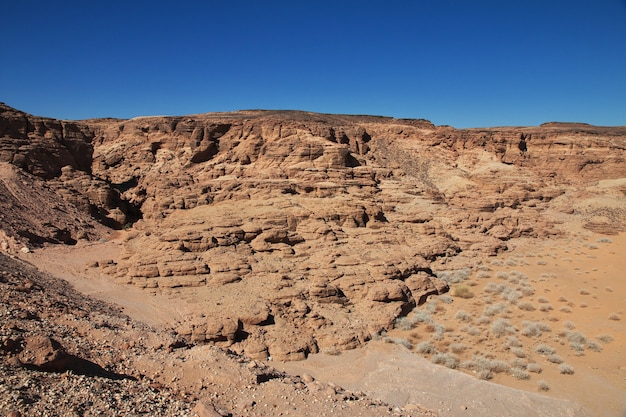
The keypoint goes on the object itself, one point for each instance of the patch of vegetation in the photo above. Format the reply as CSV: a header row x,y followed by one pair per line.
x,y
533,329
455,277
463,316
512,341
594,346
520,374
449,360
458,348
543,385
518,351
501,327
546,307
605,338
526,306
483,274
425,348
462,291
492,310
554,358
544,349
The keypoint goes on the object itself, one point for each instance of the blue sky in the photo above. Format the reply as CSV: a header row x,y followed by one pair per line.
x,y
462,63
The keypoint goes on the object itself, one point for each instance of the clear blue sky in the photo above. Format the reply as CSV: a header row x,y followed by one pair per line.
x,y
463,63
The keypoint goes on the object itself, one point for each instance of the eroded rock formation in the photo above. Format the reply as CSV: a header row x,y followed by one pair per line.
x,y
303,232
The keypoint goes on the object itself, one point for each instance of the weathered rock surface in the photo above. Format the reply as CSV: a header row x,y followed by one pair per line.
x,y
62,353
303,232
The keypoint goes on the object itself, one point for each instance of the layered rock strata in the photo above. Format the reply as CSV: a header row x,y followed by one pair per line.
x,y
296,232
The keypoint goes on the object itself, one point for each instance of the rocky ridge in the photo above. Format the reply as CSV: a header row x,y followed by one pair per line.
x,y
302,232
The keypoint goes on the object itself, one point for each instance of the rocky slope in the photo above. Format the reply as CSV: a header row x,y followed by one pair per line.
x,y
297,232
62,353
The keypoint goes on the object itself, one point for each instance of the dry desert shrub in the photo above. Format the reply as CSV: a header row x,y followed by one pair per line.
x,y
462,291
518,351
502,275
526,306
546,307
543,300
455,277
425,348
511,262
449,360
583,291
494,288
519,363
421,316
565,309
483,274
404,323
534,328
534,367
544,349
399,341
485,374
604,240
512,341
446,299
554,358
492,310
578,348
594,346
566,369
575,337
608,289
520,374
481,363
511,295
501,326
471,330
439,331
615,317
542,262
605,338
458,348
543,385
463,316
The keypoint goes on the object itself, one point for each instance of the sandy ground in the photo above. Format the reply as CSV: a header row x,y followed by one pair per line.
x,y
581,280
399,377
584,282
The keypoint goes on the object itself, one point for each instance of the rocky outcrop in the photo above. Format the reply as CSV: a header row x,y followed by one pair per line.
x,y
292,225
42,146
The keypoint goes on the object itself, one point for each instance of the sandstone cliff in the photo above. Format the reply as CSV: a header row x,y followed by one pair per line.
x,y
289,226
